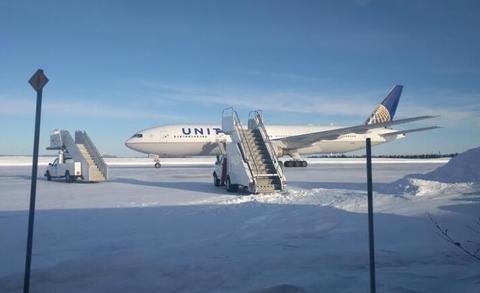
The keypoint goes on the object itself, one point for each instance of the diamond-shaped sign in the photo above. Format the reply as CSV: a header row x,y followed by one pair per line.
x,y
38,80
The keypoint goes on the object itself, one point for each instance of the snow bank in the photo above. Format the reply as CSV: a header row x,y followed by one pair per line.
x,y
460,175
463,168
421,187
341,199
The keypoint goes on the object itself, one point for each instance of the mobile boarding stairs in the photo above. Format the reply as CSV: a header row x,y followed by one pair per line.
x,y
248,157
77,159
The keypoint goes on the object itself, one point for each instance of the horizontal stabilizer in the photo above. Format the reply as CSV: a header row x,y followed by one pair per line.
x,y
401,121
410,130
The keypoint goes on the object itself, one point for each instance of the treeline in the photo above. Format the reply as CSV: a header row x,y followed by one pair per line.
x,y
414,156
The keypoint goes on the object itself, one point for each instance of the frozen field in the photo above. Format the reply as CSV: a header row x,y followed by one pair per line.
x,y
171,230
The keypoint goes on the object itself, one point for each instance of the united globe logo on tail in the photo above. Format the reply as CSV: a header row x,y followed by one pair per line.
x,y
386,110
380,115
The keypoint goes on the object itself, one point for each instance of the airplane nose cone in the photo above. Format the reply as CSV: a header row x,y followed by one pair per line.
x,y
136,142
128,143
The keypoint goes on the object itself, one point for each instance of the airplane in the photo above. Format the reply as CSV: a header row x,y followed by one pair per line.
x,y
288,140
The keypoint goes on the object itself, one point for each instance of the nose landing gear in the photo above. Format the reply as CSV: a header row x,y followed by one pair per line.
x,y
156,159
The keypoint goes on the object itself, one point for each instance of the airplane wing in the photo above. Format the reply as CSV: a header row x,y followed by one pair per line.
x,y
305,140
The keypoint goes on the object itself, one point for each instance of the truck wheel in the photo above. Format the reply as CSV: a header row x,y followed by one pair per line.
x,y
68,178
49,177
216,181
230,187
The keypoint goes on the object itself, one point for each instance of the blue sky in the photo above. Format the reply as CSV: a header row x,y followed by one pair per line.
x,y
119,66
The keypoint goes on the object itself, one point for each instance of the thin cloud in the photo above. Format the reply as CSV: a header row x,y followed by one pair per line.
x,y
329,104
278,101
464,113
17,106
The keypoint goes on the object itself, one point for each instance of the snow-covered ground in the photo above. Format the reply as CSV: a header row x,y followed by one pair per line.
x,y
171,230
7,161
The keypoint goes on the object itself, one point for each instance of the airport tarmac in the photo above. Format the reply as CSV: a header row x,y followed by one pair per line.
x,y
137,185
171,230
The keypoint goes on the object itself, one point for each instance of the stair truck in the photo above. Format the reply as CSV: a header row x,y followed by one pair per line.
x,y
77,159
248,160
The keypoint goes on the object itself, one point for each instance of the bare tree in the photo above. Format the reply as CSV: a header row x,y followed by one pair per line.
x,y
473,248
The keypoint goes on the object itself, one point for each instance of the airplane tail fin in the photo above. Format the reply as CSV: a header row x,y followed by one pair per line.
x,y
386,110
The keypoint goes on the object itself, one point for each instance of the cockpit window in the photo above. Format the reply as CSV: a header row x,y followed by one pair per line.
x,y
139,135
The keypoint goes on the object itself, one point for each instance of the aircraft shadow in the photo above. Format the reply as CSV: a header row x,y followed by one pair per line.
x,y
208,187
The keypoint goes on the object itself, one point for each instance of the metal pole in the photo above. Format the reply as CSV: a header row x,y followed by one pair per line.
x,y
370,217
33,189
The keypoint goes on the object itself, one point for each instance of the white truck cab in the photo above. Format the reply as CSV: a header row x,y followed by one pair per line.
x,y
229,170
77,159
64,167
219,171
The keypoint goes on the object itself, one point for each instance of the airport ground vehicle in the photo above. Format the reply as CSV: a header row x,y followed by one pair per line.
x,y
68,169
77,159
248,160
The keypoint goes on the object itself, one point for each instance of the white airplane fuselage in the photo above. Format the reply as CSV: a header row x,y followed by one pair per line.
x,y
202,140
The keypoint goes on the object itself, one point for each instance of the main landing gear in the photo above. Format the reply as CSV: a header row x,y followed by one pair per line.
x,y
295,164
296,160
